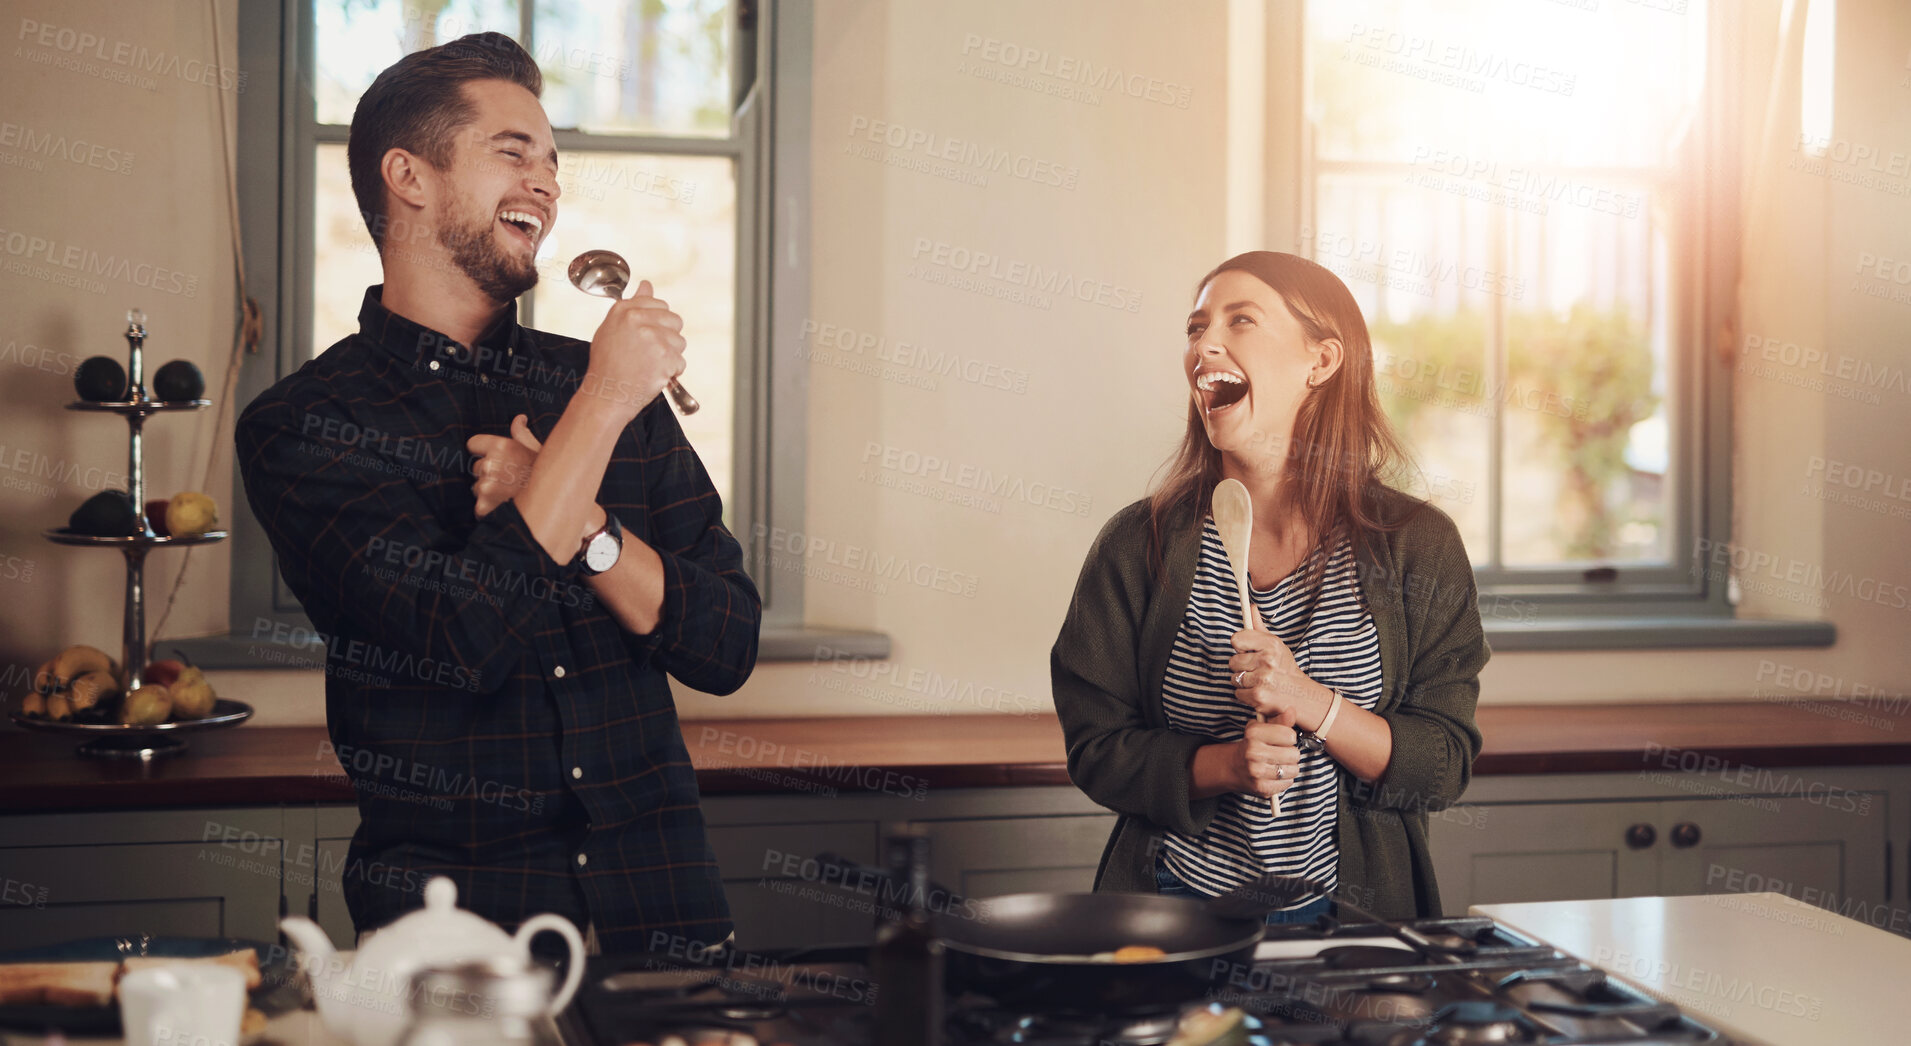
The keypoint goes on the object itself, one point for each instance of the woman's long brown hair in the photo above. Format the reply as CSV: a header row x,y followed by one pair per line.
x,y
1342,446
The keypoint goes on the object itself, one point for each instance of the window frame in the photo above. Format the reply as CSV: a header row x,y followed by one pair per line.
x,y
1682,602
770,140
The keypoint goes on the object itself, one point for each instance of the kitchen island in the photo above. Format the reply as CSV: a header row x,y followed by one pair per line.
x,y
1761,965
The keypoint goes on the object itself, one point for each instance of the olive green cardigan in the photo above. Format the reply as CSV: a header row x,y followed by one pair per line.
x,y
1107,669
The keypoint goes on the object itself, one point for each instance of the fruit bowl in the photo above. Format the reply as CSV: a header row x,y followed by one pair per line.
x,y
66,536
115,741
138,408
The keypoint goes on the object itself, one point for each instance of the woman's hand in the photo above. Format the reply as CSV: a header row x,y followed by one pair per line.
x,y
1266,759
503,466
1267,680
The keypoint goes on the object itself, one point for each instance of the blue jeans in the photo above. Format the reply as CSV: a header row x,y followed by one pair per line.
x,y
1170,885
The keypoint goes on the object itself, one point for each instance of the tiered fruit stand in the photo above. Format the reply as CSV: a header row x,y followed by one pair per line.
x,y
112,739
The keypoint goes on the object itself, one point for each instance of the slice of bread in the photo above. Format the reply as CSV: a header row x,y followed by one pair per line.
x,y
57,983
245,960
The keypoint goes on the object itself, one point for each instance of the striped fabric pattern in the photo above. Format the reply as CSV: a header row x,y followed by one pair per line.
x,y
1339,648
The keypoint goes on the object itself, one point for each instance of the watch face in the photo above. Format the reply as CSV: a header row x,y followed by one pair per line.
x,y
601,554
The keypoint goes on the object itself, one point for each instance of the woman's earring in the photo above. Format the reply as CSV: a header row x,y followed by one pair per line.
x,y
1311,384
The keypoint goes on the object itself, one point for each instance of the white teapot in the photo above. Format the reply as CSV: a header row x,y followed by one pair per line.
x,y
369,1002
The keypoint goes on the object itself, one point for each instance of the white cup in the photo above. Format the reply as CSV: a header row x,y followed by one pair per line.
x,y
185,1005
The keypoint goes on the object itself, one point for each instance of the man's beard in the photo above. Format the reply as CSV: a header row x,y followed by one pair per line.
x,y
474,249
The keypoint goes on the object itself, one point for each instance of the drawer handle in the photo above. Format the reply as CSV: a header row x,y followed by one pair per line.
x,y
1640,836
1685,835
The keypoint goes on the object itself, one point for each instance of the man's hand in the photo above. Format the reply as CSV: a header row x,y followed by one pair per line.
x,y
635,352
503,466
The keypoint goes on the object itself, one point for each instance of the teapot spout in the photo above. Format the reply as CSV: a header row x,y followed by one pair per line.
x,y
313,944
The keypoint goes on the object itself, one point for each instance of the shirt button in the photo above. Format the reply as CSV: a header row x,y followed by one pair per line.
x,y
486,378
576,772
582,860
433,364
558,671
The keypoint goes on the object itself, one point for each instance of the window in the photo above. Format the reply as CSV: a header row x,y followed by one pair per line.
x,y
639,94
662,112
1515,194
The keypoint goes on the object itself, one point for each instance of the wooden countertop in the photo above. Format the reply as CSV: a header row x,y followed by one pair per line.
x,y
260,765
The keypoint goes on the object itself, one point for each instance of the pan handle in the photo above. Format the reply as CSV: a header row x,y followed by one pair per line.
x,y
1257,897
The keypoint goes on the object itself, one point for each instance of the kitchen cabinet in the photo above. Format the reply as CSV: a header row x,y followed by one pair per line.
x,y
196,873
1822,835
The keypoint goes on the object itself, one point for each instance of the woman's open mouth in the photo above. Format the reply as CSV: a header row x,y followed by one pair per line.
x,y
1220,389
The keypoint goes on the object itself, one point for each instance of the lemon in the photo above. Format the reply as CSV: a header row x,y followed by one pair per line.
x,y
190,514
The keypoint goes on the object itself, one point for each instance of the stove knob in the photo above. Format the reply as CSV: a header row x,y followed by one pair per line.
x,y
1685,834
1640,836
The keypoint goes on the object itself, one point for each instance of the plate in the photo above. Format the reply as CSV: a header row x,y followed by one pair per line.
x,y
278,991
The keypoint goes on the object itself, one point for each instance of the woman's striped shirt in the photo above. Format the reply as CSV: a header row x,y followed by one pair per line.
x,y
1338,648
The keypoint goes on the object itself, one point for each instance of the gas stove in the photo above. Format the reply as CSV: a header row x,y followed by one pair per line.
x,y
1327,984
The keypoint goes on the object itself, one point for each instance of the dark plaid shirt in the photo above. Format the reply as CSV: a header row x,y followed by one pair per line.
x,y
498,725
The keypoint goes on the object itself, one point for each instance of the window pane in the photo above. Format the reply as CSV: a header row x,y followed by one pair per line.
x,y
1529,148
674,219
1420,265
623,66
1606,84
344,262
358,39
1585,443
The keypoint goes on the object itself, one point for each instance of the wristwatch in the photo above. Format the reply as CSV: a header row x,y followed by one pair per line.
x,y
602,548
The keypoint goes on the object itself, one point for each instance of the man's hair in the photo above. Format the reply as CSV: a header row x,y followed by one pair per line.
x,y
419,103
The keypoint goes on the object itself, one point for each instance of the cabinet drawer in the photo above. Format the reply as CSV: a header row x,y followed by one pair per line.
x,y
990,857
186,889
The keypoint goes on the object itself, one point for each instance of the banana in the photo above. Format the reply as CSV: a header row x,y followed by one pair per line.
x,y
90,689
57,708
33,705
76,661
45,682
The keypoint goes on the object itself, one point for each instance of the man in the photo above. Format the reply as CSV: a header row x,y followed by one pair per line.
x,y
504,537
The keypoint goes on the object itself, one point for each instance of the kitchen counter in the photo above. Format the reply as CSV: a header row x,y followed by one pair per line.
x,y
259,765
1759,965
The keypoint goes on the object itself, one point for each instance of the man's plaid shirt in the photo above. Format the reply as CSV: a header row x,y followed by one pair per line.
x,y
498,725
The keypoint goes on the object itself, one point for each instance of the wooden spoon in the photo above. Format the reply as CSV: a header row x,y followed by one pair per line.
x,y
1234,518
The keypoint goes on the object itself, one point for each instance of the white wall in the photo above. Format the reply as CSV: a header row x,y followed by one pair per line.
x,y
1144,212
110,153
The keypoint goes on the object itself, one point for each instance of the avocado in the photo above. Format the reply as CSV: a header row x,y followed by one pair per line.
x,y
100,379
106,514
179,380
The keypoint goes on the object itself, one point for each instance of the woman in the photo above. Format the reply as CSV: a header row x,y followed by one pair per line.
x,y
1368,634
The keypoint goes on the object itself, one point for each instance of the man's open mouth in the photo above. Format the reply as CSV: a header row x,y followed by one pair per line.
x,y
1220,389
524,223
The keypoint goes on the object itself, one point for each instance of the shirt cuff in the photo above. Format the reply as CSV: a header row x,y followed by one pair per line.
x,y
506,540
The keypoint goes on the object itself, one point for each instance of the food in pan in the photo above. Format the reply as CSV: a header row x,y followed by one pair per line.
x,y
1139,953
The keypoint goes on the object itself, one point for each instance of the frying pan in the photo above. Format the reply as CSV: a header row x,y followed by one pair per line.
x,y
1053,948
1030,947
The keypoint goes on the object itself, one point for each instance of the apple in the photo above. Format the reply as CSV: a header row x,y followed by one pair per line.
x,y
164,673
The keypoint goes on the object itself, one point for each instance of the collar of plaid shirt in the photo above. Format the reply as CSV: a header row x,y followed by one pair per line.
x,y
498,725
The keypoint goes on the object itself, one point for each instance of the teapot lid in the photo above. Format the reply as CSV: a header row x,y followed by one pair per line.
x,y
439,930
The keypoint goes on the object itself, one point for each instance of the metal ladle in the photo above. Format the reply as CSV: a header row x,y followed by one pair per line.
x,y
606,274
